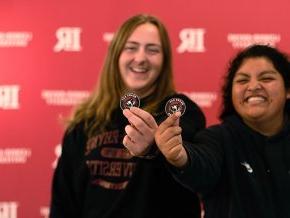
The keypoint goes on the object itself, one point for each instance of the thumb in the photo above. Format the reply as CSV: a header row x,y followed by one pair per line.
x,y
172,120
178,114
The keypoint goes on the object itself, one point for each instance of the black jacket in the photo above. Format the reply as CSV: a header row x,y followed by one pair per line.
x,y
104,181
239,172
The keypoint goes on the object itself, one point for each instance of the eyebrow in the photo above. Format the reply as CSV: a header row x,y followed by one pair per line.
x,y
260,74
149,44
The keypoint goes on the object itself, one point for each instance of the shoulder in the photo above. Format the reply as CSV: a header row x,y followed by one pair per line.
x,y
217,132
75,131
213,130
74,138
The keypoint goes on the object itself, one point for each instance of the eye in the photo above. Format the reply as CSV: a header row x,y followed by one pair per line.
x,y
130,48
267,79
153,49
241,80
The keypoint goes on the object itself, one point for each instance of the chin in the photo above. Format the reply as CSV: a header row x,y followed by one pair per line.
x,y
136,87
255,117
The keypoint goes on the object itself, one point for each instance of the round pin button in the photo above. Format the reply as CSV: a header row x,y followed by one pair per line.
x,y
174,105
129,100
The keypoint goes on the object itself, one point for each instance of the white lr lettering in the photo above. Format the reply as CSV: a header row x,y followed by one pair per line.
x,y
9,97
68,39
192,40
44,212
8,209
107,37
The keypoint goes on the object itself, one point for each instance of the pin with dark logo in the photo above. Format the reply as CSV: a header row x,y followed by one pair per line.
x,y
174,105
129,100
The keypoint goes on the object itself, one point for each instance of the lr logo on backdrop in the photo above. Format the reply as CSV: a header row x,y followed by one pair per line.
x,y
9,97
192,40
8,209
68,39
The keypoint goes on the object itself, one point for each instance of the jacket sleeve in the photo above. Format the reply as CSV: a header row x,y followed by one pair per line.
x,y
203,170
64,196
203,148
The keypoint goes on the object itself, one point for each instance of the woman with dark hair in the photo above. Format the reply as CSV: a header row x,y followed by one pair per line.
x,y
241,167
96,176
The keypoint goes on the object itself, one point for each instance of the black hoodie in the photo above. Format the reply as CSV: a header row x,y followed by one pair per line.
x,y
239,172
105,181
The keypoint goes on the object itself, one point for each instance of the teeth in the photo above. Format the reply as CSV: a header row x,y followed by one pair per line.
x,y
139,69
255,99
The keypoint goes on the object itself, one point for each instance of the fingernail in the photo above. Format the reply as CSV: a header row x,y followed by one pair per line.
x,y
178,113
125,111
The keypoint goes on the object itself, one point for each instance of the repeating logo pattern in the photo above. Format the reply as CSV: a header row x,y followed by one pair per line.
x,y
47,68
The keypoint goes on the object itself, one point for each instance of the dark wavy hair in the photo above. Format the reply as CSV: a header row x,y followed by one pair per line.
x,y
279,60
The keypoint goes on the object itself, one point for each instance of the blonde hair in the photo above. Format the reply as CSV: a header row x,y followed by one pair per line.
x,y
105,99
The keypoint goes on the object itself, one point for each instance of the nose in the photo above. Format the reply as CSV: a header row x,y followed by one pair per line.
x,y
254,85
140,55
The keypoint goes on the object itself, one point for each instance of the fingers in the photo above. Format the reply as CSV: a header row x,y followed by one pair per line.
x,y
143,141
145,116
128,144
170,138
140,134
172,120
140,116
133,147
169,141
143,122
169,133
133,133
170,145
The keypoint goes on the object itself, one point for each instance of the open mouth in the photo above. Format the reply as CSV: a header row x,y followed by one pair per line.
x,y
139,69
255,99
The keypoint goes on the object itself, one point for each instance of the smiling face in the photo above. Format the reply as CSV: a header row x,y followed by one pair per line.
x,y
141,60
259,94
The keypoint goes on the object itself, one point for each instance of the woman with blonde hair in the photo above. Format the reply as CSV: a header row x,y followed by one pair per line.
x,y
97,176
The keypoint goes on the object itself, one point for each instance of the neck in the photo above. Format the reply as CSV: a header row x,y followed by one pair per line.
x,y
267,128
142,93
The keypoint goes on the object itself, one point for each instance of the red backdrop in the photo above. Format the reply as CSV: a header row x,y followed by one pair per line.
x,y
51,53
